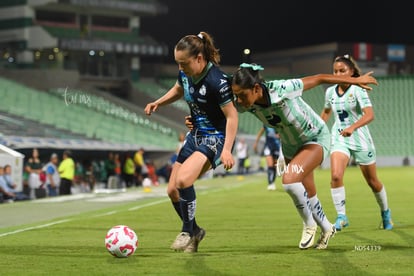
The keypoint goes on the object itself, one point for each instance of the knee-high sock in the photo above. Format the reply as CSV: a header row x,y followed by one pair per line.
x,y
382,199
319,214
338,198
188,208
271,175
299,196
177,208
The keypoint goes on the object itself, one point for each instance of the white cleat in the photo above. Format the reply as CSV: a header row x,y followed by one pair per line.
x,y
181,241
324,239
308,237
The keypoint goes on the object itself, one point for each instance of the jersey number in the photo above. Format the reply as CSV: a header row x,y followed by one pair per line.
x,y
273,120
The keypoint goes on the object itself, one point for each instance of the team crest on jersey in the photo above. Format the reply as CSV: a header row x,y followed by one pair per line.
x,y
202,90
351,98
191,90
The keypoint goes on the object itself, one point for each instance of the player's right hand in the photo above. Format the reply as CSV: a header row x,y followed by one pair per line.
x,y
151,107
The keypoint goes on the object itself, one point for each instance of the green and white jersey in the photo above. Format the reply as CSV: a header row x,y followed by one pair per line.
x,y
347,109
295,121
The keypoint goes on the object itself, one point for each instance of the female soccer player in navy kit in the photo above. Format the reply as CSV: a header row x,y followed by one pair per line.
x,y
208,93
350,136
304,136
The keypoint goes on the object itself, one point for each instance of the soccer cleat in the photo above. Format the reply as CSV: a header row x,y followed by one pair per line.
x,y
322,243
387,223
341,222
308,236
271,187
195,240
181,241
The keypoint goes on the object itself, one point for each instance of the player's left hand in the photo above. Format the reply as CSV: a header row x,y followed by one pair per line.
x,y
227,159
366,79
347,132
189,122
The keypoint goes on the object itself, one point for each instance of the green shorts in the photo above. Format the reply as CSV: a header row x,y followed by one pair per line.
x,y
366,157
323,139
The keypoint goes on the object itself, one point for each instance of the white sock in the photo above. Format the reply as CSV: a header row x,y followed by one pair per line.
x,y
299,196
382,199
338,197
319,215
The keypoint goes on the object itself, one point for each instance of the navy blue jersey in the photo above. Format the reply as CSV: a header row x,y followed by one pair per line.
x,y
205,97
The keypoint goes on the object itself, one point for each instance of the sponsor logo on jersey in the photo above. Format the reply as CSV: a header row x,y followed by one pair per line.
x,y
223,89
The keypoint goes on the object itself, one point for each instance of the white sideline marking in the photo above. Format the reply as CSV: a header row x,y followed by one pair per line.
x,y
34,227
105,214
113,212
148,204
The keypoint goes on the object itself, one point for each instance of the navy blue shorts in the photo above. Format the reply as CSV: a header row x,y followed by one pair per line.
x,y
209,145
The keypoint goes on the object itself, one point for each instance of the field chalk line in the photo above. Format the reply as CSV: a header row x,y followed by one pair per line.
x,y
112,212
34,227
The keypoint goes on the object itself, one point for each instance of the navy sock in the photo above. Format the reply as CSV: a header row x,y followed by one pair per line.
x,y
188,208
271,175
177,208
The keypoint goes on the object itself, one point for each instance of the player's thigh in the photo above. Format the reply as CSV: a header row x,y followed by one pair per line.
x,y
309,157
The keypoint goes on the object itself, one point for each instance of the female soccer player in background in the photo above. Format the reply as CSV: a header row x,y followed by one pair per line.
x,y
271,151
350,136
304,135
208,93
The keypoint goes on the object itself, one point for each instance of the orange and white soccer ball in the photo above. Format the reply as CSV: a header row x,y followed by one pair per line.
x,y
121,241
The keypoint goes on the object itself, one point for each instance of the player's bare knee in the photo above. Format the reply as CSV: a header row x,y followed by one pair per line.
x,y
336,179
172,193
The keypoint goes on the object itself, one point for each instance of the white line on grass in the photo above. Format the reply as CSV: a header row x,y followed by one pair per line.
x,y
113,212
148,204
34,227
201,193
224,188
105,214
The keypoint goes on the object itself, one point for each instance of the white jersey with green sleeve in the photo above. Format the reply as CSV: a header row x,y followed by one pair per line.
x,y
295,121
347,109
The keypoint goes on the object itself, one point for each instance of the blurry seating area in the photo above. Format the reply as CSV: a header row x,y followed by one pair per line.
x,y
85,114
156,89
71,113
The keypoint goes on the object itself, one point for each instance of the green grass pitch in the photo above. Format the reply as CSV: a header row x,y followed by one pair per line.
x,y
250,231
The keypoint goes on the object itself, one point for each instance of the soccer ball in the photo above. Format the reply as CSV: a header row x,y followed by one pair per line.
x,y
121,241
